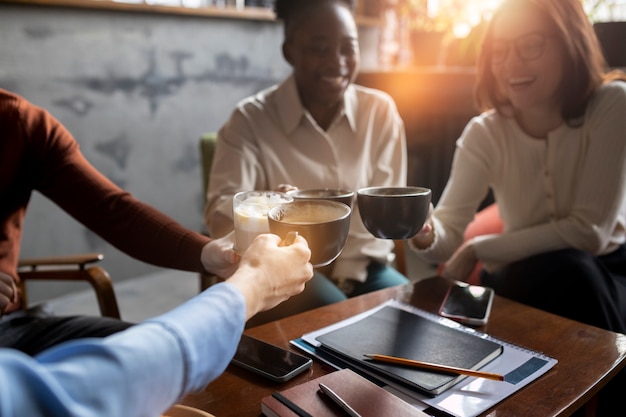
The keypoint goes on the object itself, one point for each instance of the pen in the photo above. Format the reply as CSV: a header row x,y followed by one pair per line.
x,y
435,367
339,401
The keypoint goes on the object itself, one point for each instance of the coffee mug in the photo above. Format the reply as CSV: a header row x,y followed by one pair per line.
x,y
393,212
324,224
332,194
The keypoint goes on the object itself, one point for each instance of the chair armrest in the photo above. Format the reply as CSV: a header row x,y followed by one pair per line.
x,y
56,269
80,259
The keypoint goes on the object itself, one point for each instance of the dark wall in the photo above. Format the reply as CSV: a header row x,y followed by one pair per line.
x,y
435,104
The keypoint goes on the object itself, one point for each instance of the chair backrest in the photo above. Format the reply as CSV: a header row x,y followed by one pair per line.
x,y
208,141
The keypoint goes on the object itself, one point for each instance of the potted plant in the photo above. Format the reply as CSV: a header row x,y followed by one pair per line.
x,y
609,17
440,32
448,32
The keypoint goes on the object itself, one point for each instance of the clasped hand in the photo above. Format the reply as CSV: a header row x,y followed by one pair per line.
x,y
461,264
8,292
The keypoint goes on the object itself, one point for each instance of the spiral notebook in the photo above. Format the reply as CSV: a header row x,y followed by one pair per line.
x,y
519,365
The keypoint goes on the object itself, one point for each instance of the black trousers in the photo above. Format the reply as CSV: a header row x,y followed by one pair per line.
x,y
577,285
34,330
570,283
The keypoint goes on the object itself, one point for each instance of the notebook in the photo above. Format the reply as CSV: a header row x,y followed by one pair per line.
x,y
365,397
471,397
397,332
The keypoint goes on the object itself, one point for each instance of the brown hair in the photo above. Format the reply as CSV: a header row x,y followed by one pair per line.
x,y
586,68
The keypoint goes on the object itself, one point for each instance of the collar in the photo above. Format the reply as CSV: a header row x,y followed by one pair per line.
x,y
291,111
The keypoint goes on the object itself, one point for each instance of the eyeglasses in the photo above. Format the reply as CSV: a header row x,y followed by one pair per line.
x,y
527,47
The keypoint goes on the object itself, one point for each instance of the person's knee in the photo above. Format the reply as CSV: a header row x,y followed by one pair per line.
x,y
540,278
324,290
379,277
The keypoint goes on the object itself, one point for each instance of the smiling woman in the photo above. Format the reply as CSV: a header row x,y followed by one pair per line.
x,y
550,146
314,130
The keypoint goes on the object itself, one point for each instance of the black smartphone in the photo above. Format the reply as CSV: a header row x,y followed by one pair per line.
x,y
268,360
468,304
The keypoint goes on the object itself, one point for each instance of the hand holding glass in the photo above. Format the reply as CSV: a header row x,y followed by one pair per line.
x,y
250,210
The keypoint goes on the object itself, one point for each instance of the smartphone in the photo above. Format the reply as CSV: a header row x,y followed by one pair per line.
x,y
467,304
268,360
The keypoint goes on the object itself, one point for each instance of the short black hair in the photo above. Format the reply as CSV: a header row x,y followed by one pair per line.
x,y
290,10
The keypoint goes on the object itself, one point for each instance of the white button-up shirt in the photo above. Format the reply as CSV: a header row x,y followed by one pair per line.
x,y
565,191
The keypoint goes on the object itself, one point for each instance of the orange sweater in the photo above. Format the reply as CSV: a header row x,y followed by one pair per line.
x,y
38,153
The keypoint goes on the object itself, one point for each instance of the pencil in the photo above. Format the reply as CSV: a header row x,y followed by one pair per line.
x,y
434,367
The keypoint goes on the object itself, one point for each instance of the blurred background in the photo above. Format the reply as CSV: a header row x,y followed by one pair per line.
x,y
138,81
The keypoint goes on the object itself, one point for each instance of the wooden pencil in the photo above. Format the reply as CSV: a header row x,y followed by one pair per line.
x,y
434,367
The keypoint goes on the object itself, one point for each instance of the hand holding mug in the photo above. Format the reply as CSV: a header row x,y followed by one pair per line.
x,y
270,272
285,188
425,237
218,256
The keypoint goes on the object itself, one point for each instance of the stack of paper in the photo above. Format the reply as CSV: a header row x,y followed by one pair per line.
x,y
390,329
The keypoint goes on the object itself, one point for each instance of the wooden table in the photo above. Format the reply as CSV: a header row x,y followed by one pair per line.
x,y
588,356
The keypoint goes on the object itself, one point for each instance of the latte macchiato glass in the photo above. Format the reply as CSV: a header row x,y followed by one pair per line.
x,y
250,215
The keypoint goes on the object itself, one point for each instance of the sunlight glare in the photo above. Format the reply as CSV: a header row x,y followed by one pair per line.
x,y
465,14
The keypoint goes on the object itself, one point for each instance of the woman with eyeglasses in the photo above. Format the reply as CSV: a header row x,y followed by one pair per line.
x,y
551,145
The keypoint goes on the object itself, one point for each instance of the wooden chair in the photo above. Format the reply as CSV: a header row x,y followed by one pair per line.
x,y
208,141
400,261
72,268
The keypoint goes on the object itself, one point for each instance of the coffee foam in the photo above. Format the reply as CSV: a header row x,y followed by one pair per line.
x,y
310,214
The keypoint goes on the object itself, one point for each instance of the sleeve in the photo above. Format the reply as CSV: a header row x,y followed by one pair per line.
x,y
166,358
467,186
391,164
234,168
64,175
598,203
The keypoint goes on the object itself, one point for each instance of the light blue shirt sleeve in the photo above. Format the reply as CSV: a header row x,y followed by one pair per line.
x,y
140,372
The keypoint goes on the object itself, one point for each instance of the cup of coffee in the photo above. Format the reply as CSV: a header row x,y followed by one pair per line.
x,y
393,212
324,224
331,194
250,210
